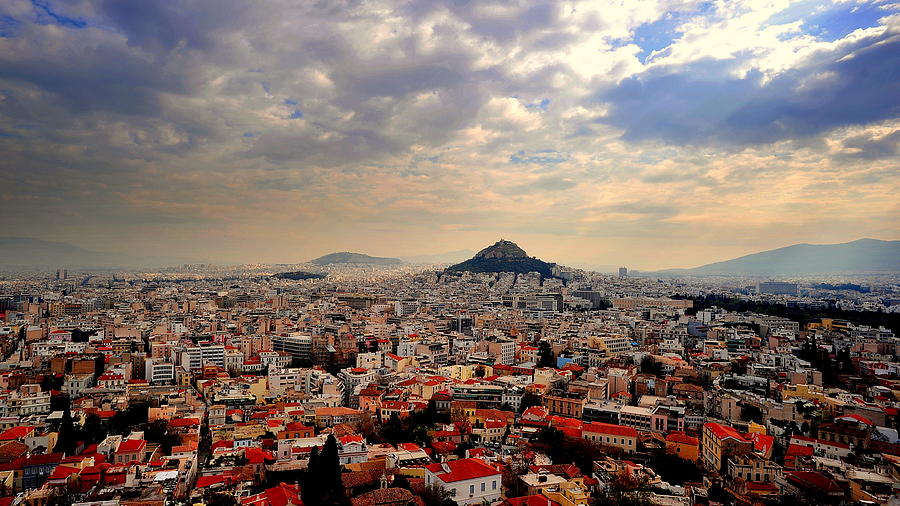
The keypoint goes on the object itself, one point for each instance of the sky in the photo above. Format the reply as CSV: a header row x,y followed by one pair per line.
x,y
651,134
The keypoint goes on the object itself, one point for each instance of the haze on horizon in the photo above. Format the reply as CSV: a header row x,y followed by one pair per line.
x,y
650,134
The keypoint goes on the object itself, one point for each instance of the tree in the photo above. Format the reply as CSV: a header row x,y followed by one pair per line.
x,y
91,430
751,413
401,481
157,431
434,495
545,355
623,490
674,469
60,402
124,421
550,436
650,366
323,485
479,371
393,431
65,442
462,448
529,399
212,498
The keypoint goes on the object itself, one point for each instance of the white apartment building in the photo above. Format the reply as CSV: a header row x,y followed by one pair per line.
x,y
373,360
406,307
275,358
158,371
233,360
195,357
353,377
469,481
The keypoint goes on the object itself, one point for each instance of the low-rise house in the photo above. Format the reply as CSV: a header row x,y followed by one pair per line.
x,y
609,434
469,481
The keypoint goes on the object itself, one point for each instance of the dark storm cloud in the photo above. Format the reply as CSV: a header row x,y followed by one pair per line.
x,y
699,103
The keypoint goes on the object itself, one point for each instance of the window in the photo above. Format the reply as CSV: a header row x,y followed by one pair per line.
x,y
482,486
494,485
471,490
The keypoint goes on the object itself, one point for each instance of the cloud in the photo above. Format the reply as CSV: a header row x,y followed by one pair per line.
x,y
700,103
873,147
389,123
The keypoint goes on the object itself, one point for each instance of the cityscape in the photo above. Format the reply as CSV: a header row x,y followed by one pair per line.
x,y
450,253
353,379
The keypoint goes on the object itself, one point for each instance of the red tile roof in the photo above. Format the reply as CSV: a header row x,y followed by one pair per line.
x,y
206,481
184,422
815,481
855,418
461,470
282,495
762,443
724,431
799,451
16,433
682,438
351,438
609,428
574,432
131,446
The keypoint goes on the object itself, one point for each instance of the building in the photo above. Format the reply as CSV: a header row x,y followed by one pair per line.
x,y
623,272
469,481
503,351
159,372
609,434
352,449
406,307
407,455
300,347
720,442
638,302
682,445
484,395
353,378
193,358
569,404
537,483
753,467
328,417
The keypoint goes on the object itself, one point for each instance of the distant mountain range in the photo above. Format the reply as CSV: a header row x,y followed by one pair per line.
x,y
346,257
26,252
860,256
504,256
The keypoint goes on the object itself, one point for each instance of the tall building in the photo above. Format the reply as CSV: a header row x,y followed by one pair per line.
x,y
195,357
623,272
299,346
